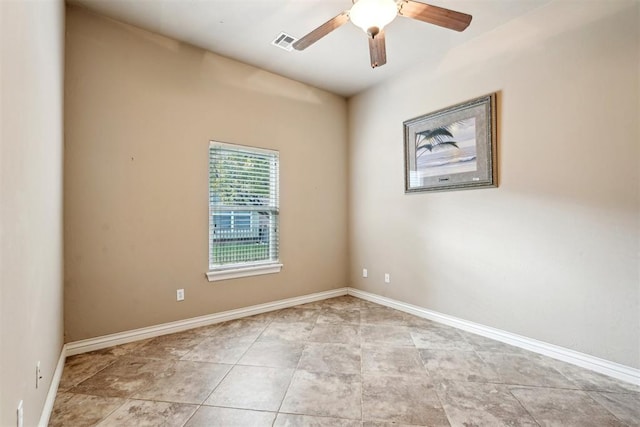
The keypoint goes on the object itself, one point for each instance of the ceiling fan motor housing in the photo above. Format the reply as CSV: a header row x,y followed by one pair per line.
x,y
373,32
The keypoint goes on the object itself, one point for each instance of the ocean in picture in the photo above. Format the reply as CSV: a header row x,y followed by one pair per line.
x,y
447,150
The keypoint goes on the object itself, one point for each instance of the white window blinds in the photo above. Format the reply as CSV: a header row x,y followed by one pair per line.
x,y
243,206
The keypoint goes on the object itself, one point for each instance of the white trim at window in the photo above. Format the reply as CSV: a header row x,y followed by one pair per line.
x,y
235,273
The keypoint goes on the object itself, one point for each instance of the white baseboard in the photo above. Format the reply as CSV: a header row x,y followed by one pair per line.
x,y
612,369
593,363
53,390
105,341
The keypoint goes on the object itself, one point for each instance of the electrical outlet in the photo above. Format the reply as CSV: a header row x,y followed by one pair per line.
x,y
387,278
20,415
38,374
180,295
365,273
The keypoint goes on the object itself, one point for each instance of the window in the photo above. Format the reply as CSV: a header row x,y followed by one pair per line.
x,y
243,211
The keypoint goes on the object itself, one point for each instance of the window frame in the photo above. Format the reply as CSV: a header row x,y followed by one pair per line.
x,y
247,269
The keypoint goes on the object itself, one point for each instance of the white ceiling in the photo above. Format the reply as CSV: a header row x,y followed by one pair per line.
x,y
243,30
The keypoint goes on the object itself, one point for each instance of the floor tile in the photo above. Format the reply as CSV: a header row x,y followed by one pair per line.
x,y
172,346
590,380
308,364
82,366
482,405
564,408
219,350
241,329
454,365
291,420
142,413
341,334
206,331
128,349
343,316
387,424
315,305
364,304
391,360
328,357
121,379
625,407
343,302
287,331
522,370
275,354
386,334
480,343
297,315
81,409
252,387
183,381
439,338
384,316
265,318
324,394
212,416
401,399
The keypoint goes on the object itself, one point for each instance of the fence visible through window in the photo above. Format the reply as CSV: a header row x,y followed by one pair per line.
x,y
243,206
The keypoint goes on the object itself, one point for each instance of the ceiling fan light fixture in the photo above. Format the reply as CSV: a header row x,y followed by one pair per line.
x,y
373,14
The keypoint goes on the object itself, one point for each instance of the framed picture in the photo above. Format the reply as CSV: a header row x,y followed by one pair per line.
x,y
453,148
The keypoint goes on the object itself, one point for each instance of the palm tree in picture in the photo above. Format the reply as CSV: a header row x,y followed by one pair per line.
x,y
436,138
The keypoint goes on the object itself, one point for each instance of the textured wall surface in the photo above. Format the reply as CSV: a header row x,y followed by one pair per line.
x,y
31,148
140,112
551,254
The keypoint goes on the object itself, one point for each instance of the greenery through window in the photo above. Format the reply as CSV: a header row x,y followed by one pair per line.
x,y
243,206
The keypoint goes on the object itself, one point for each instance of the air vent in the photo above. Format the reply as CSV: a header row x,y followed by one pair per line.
x,y
284,41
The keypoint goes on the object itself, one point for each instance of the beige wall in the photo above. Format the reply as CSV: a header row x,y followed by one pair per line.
x,y
553,253
31,146
140,111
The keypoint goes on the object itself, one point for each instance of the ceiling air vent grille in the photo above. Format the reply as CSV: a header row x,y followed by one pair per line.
x,y
284,41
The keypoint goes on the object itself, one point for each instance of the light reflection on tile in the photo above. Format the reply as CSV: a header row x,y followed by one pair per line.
x,y
121,379
291,420
476,404
328,357
392,360
212,416
324,394
625,407
81,409
219,350
146,413
559,407
252,387
275,354
387,334
452,365
83,366
523,370
340,334
402,399
183,381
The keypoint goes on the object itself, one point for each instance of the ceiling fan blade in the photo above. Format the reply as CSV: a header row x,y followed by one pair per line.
x,y
321,31
434,15
377,50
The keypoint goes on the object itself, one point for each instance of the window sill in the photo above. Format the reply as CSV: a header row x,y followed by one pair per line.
x,y
238,272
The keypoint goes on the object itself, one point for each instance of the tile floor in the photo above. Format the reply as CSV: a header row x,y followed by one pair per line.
x,y
338,362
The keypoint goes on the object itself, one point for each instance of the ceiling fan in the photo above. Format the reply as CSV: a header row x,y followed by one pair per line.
x,y
373,15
